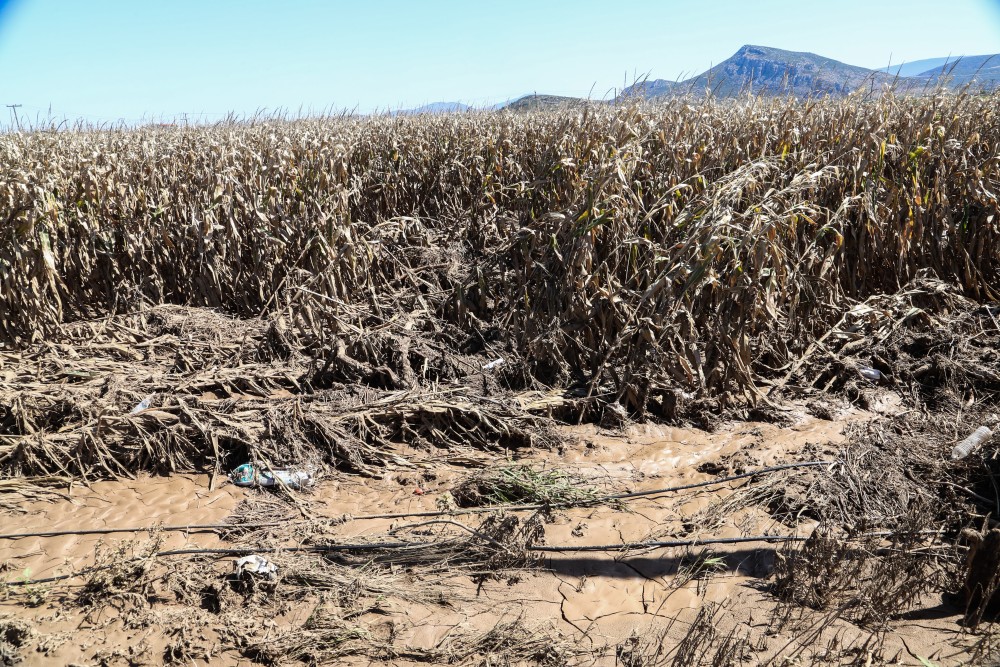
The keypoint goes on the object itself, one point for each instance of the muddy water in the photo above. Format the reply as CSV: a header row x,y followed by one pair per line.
x,y
597,599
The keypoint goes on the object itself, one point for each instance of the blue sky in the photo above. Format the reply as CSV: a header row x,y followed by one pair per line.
x,y
104,60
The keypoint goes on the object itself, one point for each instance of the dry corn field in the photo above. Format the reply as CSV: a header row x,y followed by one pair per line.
x,y
498,342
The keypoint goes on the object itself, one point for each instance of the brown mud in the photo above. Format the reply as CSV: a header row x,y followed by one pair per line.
x,y
597,602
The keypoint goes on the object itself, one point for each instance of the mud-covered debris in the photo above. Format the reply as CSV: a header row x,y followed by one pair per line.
x,y
928,342
981,590
14,634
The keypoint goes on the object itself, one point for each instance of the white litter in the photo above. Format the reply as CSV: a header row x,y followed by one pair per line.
x,y
970,444
257,565
496,363
142,405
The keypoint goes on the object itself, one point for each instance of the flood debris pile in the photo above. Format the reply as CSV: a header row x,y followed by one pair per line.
x,y
216,394
935,387
928,342
924,359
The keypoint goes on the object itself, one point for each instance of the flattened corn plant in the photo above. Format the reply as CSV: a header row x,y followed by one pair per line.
x,y
643,254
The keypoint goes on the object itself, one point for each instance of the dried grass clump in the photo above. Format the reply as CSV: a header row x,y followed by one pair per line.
x,y
352,587
502,542
330,635
521,484
508,643
981,588
186,638
703,643
15,492
643,651
325,636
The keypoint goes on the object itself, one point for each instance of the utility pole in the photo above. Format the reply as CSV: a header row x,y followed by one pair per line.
x,y
13,110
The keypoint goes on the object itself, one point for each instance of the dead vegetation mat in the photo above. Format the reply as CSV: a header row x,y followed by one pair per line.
x,y
217,391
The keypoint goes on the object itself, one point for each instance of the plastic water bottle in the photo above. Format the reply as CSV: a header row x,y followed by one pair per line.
x,y
142,405
293,479
250,474
966,447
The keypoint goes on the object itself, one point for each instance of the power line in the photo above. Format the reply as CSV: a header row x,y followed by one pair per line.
x,y
13,110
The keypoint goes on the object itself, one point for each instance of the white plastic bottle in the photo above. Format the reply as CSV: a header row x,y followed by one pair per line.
x,y
967,446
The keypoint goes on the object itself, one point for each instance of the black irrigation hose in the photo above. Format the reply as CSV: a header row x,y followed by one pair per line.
x,y
696,485
226,552
654,544
335,548
403,515
667,544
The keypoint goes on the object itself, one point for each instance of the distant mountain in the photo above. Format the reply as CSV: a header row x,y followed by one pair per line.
x,y
534,102
769,71
916,67
651,89
436,107
763,70
979,71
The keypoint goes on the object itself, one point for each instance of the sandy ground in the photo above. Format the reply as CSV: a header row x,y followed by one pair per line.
x,y
594,600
